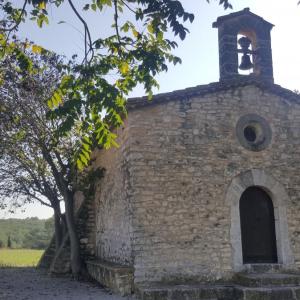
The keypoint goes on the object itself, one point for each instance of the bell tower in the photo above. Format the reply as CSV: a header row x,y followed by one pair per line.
x,y
244,46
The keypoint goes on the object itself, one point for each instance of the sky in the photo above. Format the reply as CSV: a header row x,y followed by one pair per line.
x,y
199,51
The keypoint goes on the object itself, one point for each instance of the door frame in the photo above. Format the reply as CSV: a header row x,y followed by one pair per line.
x,y
279,197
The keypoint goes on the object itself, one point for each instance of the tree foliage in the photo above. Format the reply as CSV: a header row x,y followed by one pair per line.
x,y
25,131
36,163
137,51
36,159
30,233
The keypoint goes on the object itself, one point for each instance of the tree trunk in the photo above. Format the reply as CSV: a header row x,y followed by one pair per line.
x,y
62,184
58,227
64,224
76,263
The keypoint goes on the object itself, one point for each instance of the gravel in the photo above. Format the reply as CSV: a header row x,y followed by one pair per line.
x,y
33,284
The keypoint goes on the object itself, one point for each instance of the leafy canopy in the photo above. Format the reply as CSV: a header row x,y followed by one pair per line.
x,y
32,152
87,98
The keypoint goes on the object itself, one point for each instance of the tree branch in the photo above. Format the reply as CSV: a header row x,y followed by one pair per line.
x,y
116,21
87,32
18,21
124,2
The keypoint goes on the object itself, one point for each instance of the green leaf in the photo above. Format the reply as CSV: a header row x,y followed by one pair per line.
x,y
42,5
86,7
55,100
36,49
125,27
124,68
150,95
150,28
135,33
83,159
160,35
79,164
42,18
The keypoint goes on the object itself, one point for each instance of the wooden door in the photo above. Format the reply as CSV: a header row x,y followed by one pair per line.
x,y
257,227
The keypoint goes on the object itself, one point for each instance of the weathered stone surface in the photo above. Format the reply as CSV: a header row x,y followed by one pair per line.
x,y
264,268
269,294
116,277
217,292
186,292
161,204
268,279
113,203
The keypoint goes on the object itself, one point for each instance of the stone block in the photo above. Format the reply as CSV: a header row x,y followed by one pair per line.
x,y
116,277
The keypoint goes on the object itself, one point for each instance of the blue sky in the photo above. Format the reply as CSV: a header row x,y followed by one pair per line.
x,y
199,51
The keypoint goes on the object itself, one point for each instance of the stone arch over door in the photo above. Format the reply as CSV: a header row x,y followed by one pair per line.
x,y
277,193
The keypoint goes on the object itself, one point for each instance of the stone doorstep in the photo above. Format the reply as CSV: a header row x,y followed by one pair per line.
x,y
267,279
217,292
263,268
116,277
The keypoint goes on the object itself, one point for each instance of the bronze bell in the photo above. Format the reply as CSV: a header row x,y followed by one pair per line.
x,y
246,63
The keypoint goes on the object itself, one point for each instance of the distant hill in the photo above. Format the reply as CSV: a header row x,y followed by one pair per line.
x,y
30,233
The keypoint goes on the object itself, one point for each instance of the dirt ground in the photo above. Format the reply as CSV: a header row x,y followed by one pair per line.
x,y
32,284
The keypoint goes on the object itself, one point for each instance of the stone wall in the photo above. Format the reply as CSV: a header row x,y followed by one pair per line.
x,y
85,222
113,221
183,156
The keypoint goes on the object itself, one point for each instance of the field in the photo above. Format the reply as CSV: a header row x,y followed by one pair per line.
x,y
19,257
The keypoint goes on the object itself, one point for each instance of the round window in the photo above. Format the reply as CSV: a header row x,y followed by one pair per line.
x,y
250,133
253,132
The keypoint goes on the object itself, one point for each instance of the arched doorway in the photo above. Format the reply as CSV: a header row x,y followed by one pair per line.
x,y
257,226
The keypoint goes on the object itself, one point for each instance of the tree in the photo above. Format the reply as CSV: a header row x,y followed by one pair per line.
x,y
9,243
86,101
28,137
36,159
35,239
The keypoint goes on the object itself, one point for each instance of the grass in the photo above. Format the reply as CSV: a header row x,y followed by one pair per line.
x,y
19,257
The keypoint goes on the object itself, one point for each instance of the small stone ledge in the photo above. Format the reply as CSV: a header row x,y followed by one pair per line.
x,y
187,292
117,277
217,292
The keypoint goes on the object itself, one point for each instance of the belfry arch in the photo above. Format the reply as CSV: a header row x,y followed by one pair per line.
x,y
276,191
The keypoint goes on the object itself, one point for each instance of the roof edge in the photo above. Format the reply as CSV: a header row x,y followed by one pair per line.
x,y
201,90
246,11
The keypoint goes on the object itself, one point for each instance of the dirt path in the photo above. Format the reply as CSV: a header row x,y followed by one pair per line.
x,y
32,284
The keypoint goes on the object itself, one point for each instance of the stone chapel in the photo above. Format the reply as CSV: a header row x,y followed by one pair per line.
x,y
206,184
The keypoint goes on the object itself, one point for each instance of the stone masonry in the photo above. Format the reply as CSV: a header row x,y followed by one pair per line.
x,y
161,206
112,204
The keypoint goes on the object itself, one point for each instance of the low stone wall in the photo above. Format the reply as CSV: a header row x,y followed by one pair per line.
x,y
116,277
